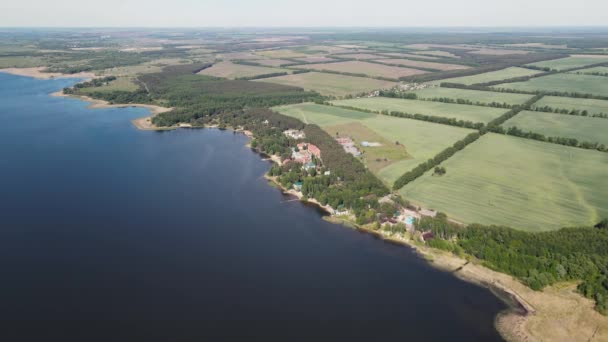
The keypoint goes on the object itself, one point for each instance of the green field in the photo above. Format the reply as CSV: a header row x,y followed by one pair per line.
x,y
472,95
331,84
21,62
448,110
491,76
585,84
422,140
120,84
231,70
559,125
590,105
571,62
518,182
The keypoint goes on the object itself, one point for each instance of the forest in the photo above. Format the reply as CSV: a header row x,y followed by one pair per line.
x,y
537,259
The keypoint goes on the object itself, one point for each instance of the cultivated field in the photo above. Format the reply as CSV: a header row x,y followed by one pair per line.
x,y
407,55
519,183
499,52
273,62
331,84
425,65
278,54
437,53
574,61
592,106
364,68
448,110
559,125
315,59
491,76
231,70
472,95
422,140
585,84
362,56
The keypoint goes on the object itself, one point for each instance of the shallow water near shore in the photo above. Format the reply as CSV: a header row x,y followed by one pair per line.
x,y
111,233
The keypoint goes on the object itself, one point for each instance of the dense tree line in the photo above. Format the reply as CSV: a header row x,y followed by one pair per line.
x,y
517,132
257,77
576,112
537,259
96,82
515,91
431,163
511,113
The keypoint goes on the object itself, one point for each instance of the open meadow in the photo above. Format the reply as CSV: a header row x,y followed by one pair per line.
x,y
424,65
492,76
472,95
584,84
561,125
592,106
441,109
421,140
574,61
232,70
365,68
517,182
603,70
331,84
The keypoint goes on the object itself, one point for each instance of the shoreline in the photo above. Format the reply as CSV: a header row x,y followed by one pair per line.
x,y
38,73
556,313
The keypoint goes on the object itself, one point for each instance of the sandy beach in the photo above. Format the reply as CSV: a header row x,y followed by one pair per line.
x,y
41,75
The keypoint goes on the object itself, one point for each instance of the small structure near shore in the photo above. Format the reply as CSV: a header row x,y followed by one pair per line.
x,y
295,134
349,146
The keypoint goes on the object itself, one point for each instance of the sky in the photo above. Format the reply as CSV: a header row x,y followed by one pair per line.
x,y
303,13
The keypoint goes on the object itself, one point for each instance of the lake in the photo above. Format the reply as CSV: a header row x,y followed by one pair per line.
x,y
114,234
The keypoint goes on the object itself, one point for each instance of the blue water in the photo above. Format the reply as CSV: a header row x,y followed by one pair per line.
x,y
113,234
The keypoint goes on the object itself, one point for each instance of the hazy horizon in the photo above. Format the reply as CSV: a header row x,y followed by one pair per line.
x,y
314,13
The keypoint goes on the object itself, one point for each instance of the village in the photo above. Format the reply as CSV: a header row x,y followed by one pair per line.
x,y
309,156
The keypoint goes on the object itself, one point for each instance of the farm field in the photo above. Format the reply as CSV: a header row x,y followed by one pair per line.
x,y
573,61
120,84
406,55
422,140
448,110
437,53
585,84
491,76
278,54
592,106
361,56
425,65
330,84
472,95
231,70
559,125
273,62
520,183
21,62
145,68
364,68
499,52
315,59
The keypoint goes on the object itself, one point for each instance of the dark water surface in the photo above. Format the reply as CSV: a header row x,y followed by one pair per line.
x,y
110,233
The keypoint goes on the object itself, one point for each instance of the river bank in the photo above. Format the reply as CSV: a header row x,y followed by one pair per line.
x,y
39,73
557,313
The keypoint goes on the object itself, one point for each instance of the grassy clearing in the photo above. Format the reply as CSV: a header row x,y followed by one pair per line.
x,y
586,84
278,54
120,84
331,84
375,158
364,68
315,59
231,70
498,75
145,68
422,140
590,105
521,183
425,65
559,125
448,110
273,62
408,55
362,56
21,62
472,95
574,61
